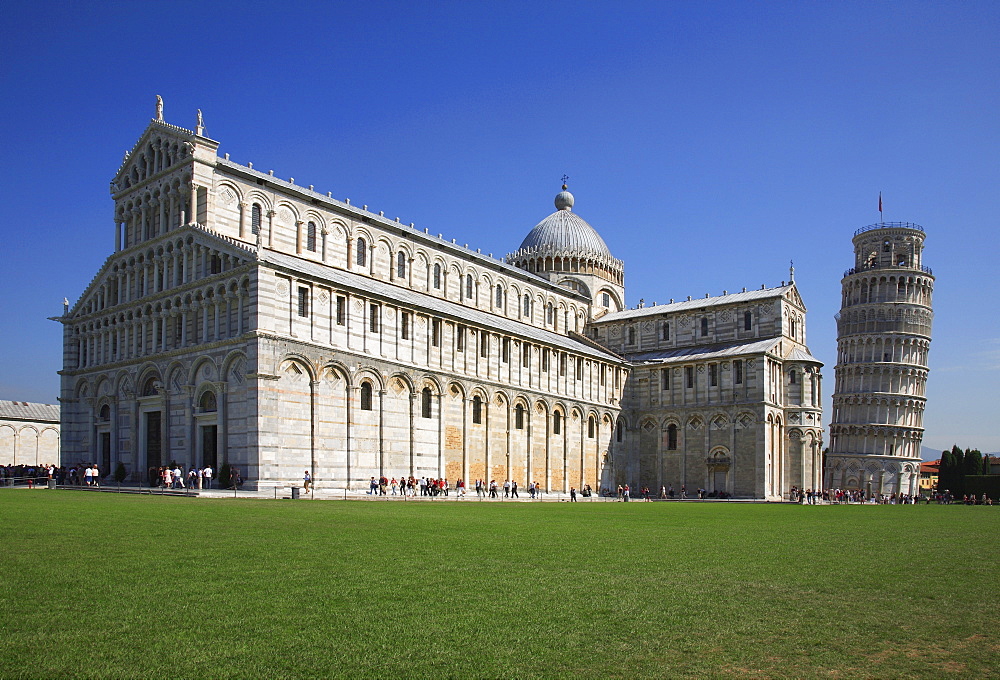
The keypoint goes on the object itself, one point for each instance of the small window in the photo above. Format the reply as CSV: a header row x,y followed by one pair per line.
x,y
579,368
255,218
374,312
604,370
208,404
404,325
792,378
619,432
215,266
341,310
665,378
527,306
738,372
498,302
519,417
671,437
366,396
106,410
361,256
689,376
484,344
562,363
549,314
591,427
303,301
631,335
665,331
400,265
713,374
505,351
792,328
437,277
469,284
747,321
545,359
886,247
477,410
311,237
460,338
436,332
605,300
704,326
526,355
425,403
557,423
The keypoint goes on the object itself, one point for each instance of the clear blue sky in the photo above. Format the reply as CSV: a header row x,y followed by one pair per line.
x,y
708,142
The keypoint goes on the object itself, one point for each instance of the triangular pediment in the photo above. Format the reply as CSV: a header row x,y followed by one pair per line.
x,y
159,149
100,296
792,295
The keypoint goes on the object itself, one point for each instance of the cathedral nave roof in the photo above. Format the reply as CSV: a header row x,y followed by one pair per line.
x,y
699,303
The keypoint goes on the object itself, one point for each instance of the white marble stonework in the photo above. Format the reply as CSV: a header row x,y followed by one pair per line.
x,y
246,319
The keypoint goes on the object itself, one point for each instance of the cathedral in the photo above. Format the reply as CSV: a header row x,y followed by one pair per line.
x,y
249,320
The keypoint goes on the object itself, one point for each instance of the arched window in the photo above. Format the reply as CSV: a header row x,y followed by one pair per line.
x,y
791,326
151,387
590,427
527,305
105,413
400,265
255,216
311,237
549,314
671,437
361,256
499,298
366,396
468,286
631,335
519,417
477,410
557,423
208,402
619,432
437,276
747,321
425,402
792,378
704,326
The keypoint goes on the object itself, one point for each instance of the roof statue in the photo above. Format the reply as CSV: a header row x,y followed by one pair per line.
x,y
159,107
200,125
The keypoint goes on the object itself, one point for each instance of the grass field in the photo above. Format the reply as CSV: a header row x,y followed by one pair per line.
x,y
101,585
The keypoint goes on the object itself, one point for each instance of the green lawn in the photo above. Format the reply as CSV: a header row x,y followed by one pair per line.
x,y
101,585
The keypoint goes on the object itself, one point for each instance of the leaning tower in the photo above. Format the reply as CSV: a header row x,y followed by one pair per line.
x,y
883,336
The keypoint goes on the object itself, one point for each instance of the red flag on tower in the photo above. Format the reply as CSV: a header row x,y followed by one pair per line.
x,y
880,203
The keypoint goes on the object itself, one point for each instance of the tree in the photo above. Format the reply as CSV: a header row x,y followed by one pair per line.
x,y
958,470
120,472
973,462
945,471
986,464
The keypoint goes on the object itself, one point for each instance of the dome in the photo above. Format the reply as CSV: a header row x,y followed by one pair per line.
x,y
566,233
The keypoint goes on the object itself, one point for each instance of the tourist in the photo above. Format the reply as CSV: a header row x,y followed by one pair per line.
x,y
513,490
572,494
306,481
207,474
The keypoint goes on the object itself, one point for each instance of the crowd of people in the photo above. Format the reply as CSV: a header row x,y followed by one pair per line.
x,y
410,487
81,474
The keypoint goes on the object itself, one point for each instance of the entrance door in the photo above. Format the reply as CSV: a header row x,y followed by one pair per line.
x,y
153,446
720,480
209,441
105,454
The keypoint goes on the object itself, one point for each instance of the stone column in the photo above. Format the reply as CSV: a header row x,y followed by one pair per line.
x,y
243,219
193,195
270,228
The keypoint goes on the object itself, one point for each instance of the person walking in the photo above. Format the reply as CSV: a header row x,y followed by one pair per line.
x,y
513,490
307,481
572,494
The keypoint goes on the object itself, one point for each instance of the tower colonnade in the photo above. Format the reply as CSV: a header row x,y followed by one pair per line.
x,y
883,338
